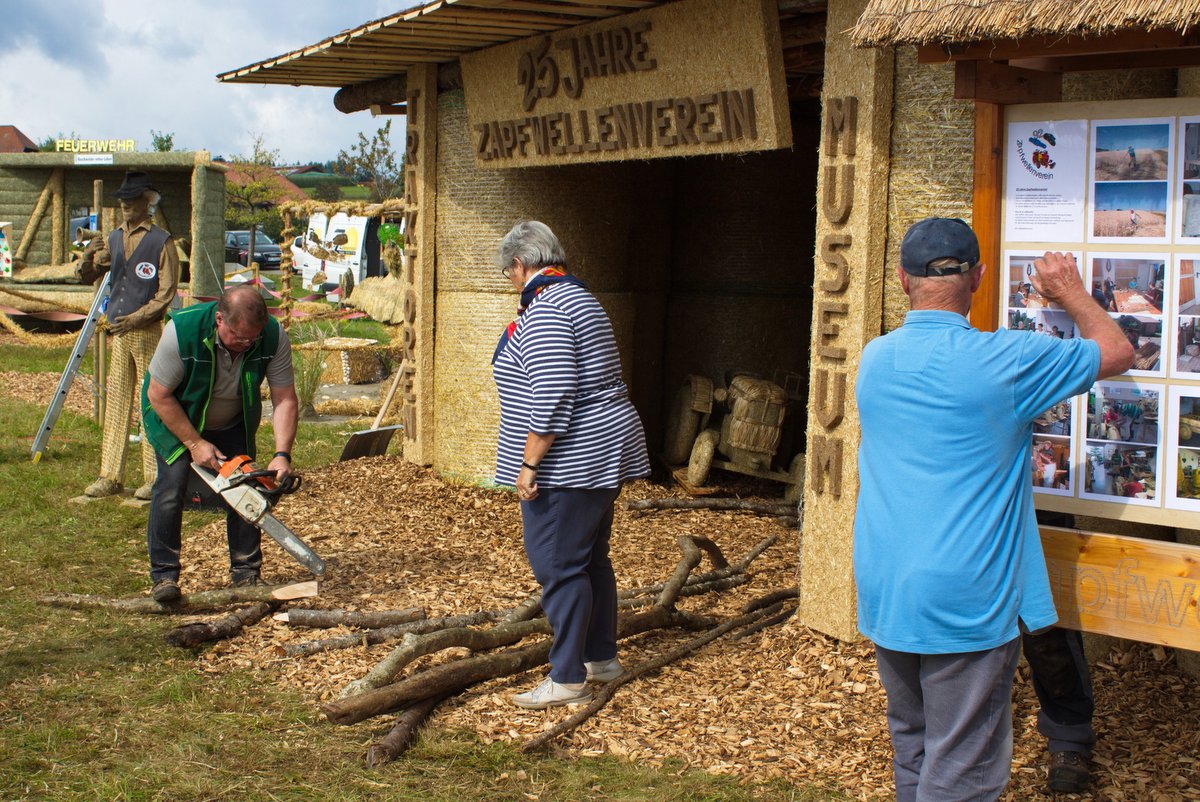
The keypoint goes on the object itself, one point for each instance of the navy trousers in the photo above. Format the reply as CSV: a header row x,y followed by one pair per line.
x,y
1063,687
950,717
166,515
566,532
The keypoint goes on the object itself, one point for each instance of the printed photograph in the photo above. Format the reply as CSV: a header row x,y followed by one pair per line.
x,y
1055,421
1134,210
1051,468
1123,412
1021,293
1187,321
1145,335
1116,472
1189,209
1129,285
1043,321
1191,149
1132,152
1185,450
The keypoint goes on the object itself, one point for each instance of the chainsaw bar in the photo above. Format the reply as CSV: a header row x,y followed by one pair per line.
x,y
254,506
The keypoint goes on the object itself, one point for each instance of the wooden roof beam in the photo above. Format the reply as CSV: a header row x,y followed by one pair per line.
x,y
1000,83
1183,57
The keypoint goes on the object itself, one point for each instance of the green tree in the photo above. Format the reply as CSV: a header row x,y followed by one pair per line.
x,y
252,191
162,141
374,160
327,191
46,145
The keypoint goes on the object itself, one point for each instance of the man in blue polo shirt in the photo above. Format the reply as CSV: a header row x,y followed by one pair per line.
x,y
947,558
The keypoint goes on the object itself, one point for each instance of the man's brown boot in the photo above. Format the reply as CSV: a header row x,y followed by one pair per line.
x,y
1069,772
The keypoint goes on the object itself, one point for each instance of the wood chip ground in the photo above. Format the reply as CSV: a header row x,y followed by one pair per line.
x,y
787,702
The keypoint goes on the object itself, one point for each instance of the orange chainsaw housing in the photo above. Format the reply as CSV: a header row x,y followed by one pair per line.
x,y
243,464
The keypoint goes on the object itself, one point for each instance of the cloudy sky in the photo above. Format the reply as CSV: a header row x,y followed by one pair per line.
x,y
118,69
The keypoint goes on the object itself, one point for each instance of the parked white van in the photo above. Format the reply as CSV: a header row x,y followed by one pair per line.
x,y
337,245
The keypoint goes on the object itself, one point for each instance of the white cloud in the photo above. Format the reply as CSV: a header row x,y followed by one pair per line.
x,y
120,69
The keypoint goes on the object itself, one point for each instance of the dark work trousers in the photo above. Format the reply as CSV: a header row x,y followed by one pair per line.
x,y
950,717
1064,689
1060,677
166,514
566,540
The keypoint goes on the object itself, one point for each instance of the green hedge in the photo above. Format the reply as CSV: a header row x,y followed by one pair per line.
x,y
307,180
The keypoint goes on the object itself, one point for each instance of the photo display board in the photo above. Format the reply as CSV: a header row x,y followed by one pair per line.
x,y
1117,185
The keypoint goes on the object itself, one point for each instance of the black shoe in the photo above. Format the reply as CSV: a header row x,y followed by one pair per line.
x,y
1069,772
246,581
165,591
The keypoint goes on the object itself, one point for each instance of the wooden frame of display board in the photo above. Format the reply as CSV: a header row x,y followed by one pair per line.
x,y
1109,182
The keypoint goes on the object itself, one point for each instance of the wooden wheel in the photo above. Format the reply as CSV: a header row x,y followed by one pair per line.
x,y
701,459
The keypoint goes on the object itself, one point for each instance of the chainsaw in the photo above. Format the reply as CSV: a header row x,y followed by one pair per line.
x,y
251,492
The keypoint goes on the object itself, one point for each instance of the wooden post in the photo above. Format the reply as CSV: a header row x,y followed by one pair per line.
x,y
985,212
208,269
58,217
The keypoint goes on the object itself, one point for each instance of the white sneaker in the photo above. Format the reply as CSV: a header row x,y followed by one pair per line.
x,y
604,670
549,693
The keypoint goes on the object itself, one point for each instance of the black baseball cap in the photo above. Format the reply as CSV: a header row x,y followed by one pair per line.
x,y
939,238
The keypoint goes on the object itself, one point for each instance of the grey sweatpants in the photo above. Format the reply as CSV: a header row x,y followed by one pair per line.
x,y
950,716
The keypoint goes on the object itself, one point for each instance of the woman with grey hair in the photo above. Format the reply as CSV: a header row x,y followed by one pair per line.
x,y
569,438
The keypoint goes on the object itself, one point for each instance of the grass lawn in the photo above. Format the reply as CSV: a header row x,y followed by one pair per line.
x,y
93,705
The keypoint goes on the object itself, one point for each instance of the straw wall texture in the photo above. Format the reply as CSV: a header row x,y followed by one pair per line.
x,y
613,225
21,183
932,162
742,265
19,192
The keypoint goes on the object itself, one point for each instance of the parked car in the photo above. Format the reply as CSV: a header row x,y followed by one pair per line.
x,y
266,253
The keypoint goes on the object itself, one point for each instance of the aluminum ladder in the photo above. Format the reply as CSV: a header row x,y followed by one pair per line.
x,y
98,308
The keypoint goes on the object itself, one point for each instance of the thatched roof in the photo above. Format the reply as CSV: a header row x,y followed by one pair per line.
x,y
921,22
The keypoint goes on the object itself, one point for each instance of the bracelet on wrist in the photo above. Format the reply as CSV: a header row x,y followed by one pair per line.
x,y
530,467
285,454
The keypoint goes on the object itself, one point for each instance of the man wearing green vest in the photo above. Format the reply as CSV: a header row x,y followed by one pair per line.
x,y
202,403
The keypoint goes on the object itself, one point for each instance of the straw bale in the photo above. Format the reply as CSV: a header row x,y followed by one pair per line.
x,y
932,162
46,300
392,207
348,360
381,297
1118,85
1188,82
595,210
466,408
713,334
891,22
46,274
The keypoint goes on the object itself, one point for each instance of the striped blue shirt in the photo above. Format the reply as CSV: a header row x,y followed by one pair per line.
x,y
561,374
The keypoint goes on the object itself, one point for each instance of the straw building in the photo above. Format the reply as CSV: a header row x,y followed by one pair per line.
x,y
732,178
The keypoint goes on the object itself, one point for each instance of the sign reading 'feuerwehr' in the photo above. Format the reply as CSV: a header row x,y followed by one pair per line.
x,y
692,77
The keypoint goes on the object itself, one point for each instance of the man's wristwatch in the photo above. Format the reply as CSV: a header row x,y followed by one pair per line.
x,y
285,454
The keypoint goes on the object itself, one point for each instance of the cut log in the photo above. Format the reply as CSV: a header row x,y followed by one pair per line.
x,y
414,646
734,504
721,579
373,636
453,677
227,626
350,618
402,734
189,603
606,693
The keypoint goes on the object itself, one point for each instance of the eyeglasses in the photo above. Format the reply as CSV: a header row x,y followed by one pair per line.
x,y
508,269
